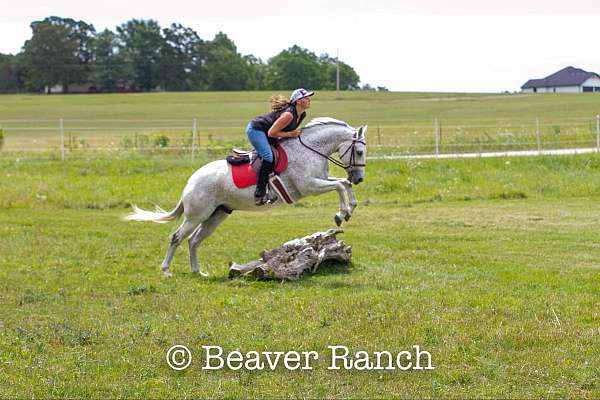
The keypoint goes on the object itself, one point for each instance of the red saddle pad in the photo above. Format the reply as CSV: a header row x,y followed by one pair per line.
x,y
243,175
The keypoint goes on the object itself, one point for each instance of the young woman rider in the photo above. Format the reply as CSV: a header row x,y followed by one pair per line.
x,y
282,122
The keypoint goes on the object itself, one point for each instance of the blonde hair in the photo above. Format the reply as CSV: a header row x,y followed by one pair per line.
x,y
279,102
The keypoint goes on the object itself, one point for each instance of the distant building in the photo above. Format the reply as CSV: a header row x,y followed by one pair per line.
x,y
72,88
568,80
120,85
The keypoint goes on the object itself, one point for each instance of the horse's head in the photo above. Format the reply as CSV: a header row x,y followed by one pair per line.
x,y
353,153
348,142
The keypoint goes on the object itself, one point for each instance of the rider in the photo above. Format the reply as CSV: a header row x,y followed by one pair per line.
x,y
282,122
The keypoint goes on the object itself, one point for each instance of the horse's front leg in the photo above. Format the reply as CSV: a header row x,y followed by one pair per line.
x,y
351,196
318,186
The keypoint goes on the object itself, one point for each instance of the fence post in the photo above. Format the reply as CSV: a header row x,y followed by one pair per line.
x,y
537,134
598,133
437,137
62,140
193,138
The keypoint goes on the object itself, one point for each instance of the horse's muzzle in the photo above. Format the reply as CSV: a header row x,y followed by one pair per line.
x,y
355,178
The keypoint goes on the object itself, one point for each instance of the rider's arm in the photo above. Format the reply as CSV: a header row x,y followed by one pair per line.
x,y
283,121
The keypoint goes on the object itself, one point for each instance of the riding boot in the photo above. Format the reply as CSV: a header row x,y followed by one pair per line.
x,y
261,185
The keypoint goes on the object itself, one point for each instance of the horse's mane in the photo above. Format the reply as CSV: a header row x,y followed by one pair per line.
x,y
325,121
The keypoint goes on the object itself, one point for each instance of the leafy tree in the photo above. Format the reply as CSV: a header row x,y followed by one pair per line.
x,y
348,77
145,56
222,40
181,55
293,68
109,66
50,56
142,47
225,68
367,87
257,73
11,73
299,67
59,52
83,34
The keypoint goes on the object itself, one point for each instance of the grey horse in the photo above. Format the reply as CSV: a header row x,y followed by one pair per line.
x,y
210,194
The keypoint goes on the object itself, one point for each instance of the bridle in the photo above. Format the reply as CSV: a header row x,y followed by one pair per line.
x,y
339,163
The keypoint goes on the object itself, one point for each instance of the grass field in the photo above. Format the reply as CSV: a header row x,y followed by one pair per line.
x,y
400,122
491,265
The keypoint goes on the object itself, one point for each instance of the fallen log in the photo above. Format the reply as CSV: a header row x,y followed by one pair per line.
x,y
295,257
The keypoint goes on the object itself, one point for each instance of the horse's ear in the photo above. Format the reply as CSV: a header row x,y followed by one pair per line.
x,y
362,131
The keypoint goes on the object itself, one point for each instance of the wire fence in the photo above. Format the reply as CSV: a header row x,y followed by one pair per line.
x,y
70,138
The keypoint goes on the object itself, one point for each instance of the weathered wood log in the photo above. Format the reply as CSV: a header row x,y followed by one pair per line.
x,y
295,257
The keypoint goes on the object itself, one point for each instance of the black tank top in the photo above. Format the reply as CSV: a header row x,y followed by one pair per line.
x,y
265,122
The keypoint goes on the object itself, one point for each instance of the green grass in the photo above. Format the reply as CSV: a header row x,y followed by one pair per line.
x,y
399,122
100,183
232,108
490,265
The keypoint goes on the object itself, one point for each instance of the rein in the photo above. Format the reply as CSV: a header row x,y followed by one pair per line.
x,y
339,163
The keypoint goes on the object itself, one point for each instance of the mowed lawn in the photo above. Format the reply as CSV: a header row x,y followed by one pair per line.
x,y
400,122
230,109
492,266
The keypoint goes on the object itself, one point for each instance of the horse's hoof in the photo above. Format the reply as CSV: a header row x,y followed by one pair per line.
x,y
167,274
347,216
338,220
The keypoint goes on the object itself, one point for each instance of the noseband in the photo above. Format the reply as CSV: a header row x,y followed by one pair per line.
x,y
340,163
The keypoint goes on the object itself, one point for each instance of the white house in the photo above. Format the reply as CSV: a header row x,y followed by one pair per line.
x,y
567,80
73,88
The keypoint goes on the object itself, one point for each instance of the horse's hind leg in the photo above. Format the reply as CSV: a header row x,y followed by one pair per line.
x,y
205,230
181,233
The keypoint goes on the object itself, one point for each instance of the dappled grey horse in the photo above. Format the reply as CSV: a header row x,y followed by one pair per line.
x,y
210,194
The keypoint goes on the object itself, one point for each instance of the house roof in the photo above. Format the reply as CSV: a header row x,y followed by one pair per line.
x,y
569,76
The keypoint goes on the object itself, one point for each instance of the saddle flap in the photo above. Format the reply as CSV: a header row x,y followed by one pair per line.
x,y
245,175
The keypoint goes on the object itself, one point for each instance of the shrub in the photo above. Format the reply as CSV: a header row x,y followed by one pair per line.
x,y
161,140
556,129
126,143
142,141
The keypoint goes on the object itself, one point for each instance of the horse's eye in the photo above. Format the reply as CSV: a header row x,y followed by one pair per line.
x,y
359,153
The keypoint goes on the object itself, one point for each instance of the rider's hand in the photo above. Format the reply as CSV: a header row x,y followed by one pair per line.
x,y
295,133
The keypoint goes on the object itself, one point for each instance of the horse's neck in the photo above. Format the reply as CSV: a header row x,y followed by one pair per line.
x,y
326,140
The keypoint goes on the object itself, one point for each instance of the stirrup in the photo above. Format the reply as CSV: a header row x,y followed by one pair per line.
x,y
261,201
266,199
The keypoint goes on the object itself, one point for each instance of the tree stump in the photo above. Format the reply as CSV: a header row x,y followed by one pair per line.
x,y
295,257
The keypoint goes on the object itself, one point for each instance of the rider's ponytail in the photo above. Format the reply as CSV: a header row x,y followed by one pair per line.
x,y
279,103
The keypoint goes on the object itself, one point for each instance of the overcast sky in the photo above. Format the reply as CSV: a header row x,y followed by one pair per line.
x,y
414,45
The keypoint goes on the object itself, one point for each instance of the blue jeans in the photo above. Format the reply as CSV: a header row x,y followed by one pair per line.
x,y
260,143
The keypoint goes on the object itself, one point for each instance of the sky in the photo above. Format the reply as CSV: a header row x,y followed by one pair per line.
x,y
414,45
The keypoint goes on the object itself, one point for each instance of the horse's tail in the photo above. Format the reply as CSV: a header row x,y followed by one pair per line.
x,y
160,216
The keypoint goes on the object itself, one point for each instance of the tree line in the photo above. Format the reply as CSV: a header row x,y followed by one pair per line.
x,y
142,56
